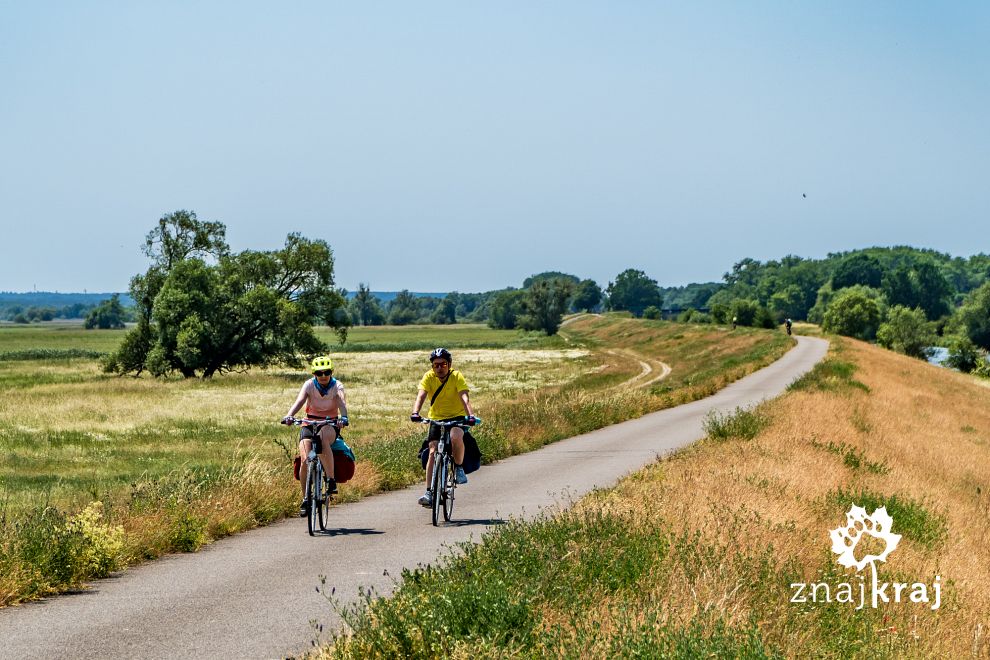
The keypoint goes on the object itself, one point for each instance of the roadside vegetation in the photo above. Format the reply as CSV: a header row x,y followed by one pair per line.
x,y
695,556
100,471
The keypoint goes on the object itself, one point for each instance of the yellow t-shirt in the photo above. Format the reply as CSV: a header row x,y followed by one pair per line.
x,y
449,403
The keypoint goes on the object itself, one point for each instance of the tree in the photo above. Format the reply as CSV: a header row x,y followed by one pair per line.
x,y
365,308
587,296
544,304
744,312
973,318
108,314
855,311
445,312
907,331
919,284
548,275
403,309
247,309
180,235
934,290
859,268
504,309
634,291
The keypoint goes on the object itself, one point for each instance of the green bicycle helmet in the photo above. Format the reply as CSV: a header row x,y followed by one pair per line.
x,y
322,363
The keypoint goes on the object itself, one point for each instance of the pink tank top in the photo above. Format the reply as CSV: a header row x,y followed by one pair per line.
x,y
318,405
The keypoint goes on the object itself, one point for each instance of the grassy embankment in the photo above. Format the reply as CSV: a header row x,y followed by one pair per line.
x,y
97,472
694,556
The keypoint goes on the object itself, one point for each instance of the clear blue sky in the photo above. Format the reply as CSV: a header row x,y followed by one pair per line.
x,y
466,145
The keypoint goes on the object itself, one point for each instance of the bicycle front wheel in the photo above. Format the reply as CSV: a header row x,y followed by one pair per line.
x,y
449,484
313,492
436,486
324,508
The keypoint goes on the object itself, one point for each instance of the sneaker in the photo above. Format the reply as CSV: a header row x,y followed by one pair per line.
x,y
304,509
332,486
426,499
459,475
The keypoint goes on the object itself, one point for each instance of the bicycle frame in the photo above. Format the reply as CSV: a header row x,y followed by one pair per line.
x,y
317,486
442,481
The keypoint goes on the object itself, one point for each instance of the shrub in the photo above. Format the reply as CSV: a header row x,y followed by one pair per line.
x,y
854,312
964,355
907,331
743,424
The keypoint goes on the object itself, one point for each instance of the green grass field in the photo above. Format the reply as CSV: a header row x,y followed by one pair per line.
x,y
175,463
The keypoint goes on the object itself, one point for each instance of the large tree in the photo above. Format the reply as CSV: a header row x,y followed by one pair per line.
x,y
544,304
505,308
633,291
203,311
587,296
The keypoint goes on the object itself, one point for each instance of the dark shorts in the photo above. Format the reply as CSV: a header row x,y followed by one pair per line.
x,y
306,433
436,431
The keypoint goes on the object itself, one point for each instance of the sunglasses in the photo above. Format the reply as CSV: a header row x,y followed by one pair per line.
x,y
439,363
321,374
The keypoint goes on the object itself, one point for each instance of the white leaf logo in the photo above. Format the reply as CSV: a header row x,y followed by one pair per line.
x,y
858,523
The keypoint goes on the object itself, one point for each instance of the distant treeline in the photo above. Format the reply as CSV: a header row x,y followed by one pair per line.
x,y
38,306
201,309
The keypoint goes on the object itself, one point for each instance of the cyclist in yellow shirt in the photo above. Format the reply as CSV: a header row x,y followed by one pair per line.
x,y
449,400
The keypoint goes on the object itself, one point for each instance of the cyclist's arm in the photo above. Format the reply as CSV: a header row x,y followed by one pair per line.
x,y
465,399
300,400
420,398
343,399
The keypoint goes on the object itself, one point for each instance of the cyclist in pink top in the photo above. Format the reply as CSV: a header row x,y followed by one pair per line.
x,y
323,397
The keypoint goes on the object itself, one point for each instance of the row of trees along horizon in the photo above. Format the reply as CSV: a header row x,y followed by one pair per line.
x,y
200,309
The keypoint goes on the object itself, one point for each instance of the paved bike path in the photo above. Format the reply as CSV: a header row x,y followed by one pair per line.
x,y
253,595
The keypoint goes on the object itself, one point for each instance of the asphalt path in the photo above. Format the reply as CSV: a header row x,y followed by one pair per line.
x,y
254,595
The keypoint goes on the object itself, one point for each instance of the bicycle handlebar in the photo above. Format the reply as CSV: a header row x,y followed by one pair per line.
x,y
452,422
304,421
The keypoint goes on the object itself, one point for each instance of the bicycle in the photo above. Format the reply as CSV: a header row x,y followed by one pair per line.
x,y
443,482
318,491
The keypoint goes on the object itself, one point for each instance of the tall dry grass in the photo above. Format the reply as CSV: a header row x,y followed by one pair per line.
x,y
694,556
926,433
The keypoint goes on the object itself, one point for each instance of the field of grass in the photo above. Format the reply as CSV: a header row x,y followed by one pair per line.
x,y
695,556
99,471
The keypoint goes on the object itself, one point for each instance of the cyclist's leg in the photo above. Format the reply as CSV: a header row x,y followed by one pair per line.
x,y
305,444
457,444
327,436
429,463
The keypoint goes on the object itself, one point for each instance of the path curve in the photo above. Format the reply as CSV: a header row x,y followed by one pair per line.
x,y
253,595
647,364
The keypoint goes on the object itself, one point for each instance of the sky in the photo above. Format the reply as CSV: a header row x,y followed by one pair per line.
x,y
464,146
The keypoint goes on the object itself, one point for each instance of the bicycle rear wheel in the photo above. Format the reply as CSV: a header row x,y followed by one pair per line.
x,y
449,483
313,492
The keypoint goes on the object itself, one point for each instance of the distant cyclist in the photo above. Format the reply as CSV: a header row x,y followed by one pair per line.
x,y
324,397
787,324
449,400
